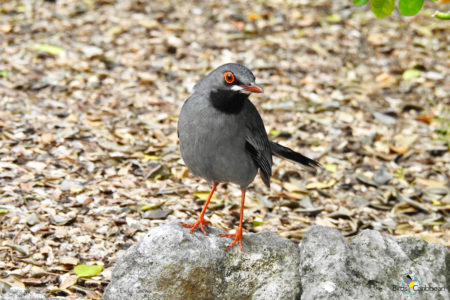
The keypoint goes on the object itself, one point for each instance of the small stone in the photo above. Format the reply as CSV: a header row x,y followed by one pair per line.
x,y
158,213
384,118
91,51
36,165
69,260
68,185
331,208
60,220
32,219
382,176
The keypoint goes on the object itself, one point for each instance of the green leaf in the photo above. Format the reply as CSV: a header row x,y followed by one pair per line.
x,y
204,195
257,223
334,18
4,210
150,207
274,132
3,73
87,270
360,2
50,49
382,8
442,15
330,167
399,174
409,7
409,74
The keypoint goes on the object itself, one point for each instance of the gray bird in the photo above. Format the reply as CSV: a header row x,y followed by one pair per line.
x,y
222,136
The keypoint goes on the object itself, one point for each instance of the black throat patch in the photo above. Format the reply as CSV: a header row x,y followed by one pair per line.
x,y
229,102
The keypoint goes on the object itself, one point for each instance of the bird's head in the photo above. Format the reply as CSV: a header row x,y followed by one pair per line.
x,y
228,85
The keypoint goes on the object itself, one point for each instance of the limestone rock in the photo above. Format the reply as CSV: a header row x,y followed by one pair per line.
x,y
171,263
371,266
15,293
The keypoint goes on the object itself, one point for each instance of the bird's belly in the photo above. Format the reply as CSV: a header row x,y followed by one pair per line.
x,y
218,157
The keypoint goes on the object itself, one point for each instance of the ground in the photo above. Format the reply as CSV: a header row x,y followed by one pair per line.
x,y
90,93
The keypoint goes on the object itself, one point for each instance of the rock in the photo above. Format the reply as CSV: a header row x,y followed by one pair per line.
x,y
171,263
382,176
16,293
68,185
372,266
157,213
91,51
384,118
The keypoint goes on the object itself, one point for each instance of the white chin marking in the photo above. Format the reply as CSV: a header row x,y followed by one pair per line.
x,y
240,89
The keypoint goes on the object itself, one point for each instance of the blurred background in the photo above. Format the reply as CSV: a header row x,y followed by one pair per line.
x,y
90,93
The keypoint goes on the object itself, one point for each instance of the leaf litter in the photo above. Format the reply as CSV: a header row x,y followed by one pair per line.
x,y
89,97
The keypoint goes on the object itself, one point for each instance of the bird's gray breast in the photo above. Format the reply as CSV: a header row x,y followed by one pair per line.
x,y
212,143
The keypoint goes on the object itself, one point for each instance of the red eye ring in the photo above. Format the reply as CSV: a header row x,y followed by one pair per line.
x,y
229,77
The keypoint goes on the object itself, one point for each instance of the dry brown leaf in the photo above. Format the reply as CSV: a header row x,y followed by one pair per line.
x,y
430,182
68,281
47,138
425,118
321,185
383,77
400,150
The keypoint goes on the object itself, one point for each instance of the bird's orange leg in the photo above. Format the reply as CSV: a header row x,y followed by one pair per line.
x,y
238,235
201,220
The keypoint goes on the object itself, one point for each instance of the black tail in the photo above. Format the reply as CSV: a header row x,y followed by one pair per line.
x,y
285,152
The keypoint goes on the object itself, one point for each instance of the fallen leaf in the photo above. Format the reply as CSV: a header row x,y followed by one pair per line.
x,y
334,18
47,138
68,281
383,77
84,271
152,206
12,281
6,28
425,118
68,260
50,49
430,182
239,25
321,185
403,143
399,150
257,223
204,195
330,168
409,74
384,118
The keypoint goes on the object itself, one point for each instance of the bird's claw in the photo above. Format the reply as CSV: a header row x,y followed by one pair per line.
x,y
200,222
237,238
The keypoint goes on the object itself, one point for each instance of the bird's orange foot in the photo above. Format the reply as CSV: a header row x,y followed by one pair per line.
x,y
237,238
200,222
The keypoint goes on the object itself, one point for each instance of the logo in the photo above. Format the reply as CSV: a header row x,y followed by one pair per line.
x,y
411,285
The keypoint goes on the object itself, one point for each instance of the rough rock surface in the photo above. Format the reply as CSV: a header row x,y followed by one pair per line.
x,y
369,266
171,263
15,293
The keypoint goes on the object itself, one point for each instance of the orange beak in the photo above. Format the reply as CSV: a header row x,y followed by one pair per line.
x,y
252,87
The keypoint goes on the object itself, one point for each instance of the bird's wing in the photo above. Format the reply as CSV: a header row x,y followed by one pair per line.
x,y
257,143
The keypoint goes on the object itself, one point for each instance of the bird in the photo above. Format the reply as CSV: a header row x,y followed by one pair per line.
x,y
409,281
223,139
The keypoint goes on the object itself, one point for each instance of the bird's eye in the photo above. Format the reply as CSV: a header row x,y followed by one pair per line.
x,y
229,77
